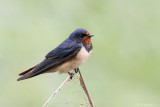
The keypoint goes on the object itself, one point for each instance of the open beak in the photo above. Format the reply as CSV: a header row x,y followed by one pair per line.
x,y
90,35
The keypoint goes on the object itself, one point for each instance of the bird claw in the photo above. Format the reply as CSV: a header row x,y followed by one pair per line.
x,y
76,70
71,75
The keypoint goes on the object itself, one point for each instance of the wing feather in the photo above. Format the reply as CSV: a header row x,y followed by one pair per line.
x,y
64,52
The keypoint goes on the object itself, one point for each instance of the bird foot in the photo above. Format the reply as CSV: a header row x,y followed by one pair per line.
x,y
71,75
76,70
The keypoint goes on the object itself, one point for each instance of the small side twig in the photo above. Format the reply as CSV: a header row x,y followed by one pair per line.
x,y
85,89
58,89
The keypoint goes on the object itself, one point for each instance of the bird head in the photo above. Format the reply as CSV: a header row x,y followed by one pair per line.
x,y
80,35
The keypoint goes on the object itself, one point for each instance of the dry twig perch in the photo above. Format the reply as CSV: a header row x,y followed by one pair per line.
x,y
85,89
58,89
66,81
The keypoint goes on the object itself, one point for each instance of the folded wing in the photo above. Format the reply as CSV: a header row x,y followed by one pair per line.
x,y
64,52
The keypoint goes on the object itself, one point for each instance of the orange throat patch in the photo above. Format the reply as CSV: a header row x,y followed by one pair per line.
x,y
86,40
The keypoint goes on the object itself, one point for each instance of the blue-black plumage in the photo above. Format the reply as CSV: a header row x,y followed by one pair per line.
x,y
70,54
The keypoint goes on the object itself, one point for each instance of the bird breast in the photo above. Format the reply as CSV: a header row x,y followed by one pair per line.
x,y
80,58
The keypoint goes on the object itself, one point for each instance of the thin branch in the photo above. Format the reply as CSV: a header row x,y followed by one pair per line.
x,y
85,89
66,81
58,89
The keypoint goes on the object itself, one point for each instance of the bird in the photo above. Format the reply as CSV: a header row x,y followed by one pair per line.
x,y
69,55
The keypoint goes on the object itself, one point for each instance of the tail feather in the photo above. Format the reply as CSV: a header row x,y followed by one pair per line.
x,y
24,75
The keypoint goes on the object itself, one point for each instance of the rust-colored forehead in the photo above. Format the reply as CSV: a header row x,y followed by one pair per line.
x,y
87,33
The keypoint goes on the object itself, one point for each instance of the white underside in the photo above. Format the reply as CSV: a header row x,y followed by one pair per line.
x,y
80,58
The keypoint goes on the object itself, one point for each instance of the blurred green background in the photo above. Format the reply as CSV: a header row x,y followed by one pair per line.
x,y
123,71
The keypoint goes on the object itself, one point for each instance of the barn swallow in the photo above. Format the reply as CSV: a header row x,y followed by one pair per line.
x,y
69,55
